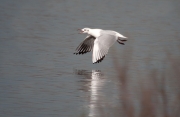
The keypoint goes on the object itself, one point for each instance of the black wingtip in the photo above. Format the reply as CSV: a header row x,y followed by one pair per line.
x,y
100,60
121,43
75,53
81,52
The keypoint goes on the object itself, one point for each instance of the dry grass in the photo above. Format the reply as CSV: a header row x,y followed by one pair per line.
x,y
155,98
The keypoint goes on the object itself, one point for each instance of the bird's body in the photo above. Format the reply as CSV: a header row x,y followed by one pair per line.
x,y
99,41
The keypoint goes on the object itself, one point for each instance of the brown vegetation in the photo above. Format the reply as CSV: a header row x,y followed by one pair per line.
x,y
156,99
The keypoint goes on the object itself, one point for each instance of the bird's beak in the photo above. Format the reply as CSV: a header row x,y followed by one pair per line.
x,y
80,31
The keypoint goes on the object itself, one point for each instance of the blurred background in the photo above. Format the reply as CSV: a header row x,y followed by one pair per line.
x,y
41,77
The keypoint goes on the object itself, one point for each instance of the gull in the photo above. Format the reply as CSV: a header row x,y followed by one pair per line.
x,y
99,41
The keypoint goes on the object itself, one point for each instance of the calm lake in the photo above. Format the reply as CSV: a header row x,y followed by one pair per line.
x,y
41,77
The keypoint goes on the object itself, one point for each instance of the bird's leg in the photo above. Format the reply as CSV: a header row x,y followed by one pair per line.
x,y
120,42
121,39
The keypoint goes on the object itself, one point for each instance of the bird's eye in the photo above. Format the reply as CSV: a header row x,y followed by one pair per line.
x,y
86,30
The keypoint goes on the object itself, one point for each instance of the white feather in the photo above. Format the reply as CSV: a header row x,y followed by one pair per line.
x,y
103,40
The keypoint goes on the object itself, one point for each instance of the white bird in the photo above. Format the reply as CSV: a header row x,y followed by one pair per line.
x,y
99,41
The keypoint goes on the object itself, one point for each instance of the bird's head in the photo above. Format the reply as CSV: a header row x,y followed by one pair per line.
x,y
84,30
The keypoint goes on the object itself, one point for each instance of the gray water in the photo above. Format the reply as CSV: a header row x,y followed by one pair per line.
x,y
41,77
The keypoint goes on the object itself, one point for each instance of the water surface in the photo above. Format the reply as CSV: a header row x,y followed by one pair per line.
x,y
40,76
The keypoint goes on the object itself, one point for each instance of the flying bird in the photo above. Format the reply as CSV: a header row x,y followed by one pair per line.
x,y
99,41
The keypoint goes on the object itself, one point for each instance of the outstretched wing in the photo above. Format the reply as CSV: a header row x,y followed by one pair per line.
x,y
101,47
86,45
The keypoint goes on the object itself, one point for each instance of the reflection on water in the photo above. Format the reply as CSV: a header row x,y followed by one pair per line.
x,y
94,82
